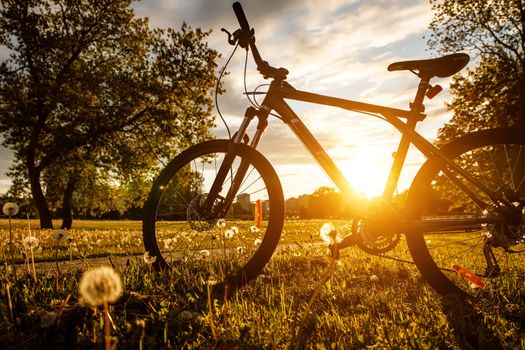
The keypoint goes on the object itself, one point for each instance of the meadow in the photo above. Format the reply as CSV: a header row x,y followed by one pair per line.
x,y
366,301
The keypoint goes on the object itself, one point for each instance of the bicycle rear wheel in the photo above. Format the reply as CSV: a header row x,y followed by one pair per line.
x,y
458,261
227,249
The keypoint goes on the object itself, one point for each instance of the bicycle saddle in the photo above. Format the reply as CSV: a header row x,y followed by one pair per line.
x,y
441,67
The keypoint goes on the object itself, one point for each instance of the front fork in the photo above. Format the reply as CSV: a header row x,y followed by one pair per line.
x,y
208,209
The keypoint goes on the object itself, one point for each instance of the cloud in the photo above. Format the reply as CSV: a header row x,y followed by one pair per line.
x,y
333,47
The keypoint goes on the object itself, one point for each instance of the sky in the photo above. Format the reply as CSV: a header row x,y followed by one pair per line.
x,y
333,47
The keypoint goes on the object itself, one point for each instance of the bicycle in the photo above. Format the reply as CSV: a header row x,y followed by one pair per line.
x,y
463,217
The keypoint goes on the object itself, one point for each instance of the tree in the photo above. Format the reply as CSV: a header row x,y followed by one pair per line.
x,y
86,84
492,94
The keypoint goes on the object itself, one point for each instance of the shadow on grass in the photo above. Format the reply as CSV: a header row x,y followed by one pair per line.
x,y
470,328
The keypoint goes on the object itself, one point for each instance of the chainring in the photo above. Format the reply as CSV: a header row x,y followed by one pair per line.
x,y
372,244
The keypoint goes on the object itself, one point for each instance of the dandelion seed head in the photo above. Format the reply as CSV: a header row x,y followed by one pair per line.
x,y
229,233
221,223
257,242
254,229
100,285
149,259
374,278
329,234
234,229
10,209
30,242
240,250
60,235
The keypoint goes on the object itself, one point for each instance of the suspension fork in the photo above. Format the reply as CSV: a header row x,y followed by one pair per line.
x,y
208,207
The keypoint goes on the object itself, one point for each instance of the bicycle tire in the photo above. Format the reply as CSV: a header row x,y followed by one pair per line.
x,y
169,216
434,253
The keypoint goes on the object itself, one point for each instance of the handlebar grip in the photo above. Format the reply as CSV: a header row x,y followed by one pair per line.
x,y
237,8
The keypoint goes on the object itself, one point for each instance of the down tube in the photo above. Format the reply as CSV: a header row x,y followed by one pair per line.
x,y
315,149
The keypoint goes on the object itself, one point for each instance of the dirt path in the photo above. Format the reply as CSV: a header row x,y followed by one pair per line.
x,y
75,264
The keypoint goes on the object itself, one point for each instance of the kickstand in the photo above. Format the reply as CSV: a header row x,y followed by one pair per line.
x,y
492,269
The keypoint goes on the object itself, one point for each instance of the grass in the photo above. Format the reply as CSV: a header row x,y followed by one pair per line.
x,y
367,302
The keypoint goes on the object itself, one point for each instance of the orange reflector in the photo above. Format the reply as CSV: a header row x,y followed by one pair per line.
x,y
258,213
469,276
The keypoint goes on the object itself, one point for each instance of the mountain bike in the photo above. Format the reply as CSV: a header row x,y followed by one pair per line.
x,y
463,219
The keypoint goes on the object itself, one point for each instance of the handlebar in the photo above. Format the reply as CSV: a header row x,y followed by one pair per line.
x,y
241,17
247,39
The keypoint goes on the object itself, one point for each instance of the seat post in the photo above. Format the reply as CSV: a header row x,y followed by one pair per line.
x,y
417,106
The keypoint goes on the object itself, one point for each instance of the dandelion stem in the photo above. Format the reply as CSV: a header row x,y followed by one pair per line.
x,y
107,327
294,344
11,250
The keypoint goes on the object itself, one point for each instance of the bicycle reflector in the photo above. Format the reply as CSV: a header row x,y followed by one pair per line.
x,y
469,276
433,91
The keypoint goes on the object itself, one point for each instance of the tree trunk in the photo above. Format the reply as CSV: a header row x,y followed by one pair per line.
x,y
67,219
40,200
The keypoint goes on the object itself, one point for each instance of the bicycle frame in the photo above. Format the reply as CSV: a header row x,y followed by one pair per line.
x,y
275,101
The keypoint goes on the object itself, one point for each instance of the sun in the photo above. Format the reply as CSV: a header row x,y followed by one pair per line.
x,y
366,173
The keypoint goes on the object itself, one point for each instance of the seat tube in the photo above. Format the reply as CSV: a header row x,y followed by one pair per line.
x,y
399,160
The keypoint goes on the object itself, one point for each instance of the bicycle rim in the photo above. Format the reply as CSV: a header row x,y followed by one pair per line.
x,y
455,261
229,249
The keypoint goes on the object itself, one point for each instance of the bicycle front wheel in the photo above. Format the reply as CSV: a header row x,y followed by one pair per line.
x,y
230,248
482,260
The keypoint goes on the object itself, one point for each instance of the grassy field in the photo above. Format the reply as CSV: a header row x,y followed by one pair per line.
x,y
367,301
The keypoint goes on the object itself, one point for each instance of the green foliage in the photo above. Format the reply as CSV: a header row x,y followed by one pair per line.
x,y
492,94
87,84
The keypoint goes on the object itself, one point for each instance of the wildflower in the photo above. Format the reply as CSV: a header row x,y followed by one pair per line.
x,y
254,229
10,209
60,235
221,223
205,253
240,250
149,259
374,278
329,234
429,241
234,229
30,243
229,233
100,286
257,242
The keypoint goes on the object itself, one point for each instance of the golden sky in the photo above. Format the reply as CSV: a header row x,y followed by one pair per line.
x,y
333,47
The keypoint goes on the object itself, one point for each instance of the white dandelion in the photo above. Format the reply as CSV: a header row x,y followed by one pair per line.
x,y
30,242
329,234
374,278
234,229
100,286
254,229
60,235
221,223
10,209
149,259
240,250
257,242
168,243
229,233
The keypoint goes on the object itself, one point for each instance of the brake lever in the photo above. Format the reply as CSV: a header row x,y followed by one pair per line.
x,y
232,38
